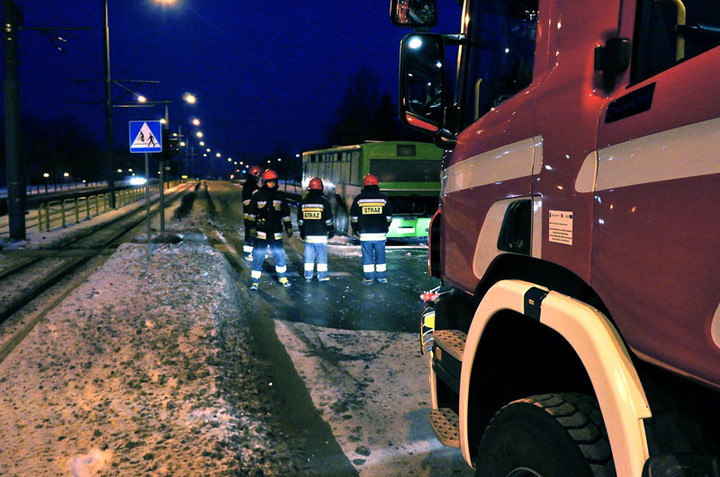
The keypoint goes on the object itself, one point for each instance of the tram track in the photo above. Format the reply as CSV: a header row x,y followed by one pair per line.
x,y
28,274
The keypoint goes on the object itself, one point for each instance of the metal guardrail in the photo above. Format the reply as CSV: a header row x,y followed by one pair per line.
x,y
61,213
291,188
47,188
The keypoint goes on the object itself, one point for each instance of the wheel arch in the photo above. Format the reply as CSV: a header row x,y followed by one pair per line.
x,y
520,357
341,216
538,318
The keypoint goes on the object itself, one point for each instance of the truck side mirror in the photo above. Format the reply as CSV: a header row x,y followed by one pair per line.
x,y
422,81
413,13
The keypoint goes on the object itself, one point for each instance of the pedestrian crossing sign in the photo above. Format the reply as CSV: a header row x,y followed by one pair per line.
x,y
145,136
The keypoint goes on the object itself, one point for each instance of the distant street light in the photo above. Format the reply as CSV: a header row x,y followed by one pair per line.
x,y
196,122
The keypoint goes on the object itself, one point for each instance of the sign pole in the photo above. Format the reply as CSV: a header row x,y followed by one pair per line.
x,y
147,201
146,137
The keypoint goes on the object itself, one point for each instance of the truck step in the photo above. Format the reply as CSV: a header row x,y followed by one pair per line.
x,y
445,425
452,341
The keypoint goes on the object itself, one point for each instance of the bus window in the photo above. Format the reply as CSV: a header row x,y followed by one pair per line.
x,y
397,170
406,150
354,167
345,171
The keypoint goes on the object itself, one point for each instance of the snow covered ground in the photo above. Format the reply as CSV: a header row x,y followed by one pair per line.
x,y
147,368
123,377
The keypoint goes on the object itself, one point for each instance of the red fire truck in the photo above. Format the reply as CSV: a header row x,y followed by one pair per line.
x,y
576,330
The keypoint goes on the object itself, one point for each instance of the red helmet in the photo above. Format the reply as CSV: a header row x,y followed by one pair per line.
x,y
369,180
269,175
255,171
315,184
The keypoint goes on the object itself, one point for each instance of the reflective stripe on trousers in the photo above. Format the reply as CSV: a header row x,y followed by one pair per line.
x,y
313,252
373,253
260,250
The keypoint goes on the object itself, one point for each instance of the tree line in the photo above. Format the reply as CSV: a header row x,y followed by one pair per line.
x,y
58,146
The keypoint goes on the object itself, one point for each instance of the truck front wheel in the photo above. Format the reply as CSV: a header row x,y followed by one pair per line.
x,y
549,435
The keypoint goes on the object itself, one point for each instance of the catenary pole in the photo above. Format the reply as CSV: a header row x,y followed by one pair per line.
x,y
15,174
109,143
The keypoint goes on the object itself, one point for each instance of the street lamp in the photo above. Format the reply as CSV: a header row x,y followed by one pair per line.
x,y
109,143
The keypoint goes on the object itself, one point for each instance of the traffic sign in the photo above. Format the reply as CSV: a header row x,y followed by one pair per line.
x,y
145,136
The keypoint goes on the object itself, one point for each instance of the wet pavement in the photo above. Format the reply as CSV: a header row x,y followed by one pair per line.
x,y
343,302
345,371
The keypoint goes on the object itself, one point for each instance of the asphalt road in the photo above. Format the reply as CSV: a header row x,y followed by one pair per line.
x,y
348,375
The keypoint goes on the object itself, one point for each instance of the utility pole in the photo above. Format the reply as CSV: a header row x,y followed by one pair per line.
x,y
109,143
17,194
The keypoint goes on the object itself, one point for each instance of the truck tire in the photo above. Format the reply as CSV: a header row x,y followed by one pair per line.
x,y
549,435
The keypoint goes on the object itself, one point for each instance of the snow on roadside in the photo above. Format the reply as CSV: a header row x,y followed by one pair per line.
x,y
128,376
373,393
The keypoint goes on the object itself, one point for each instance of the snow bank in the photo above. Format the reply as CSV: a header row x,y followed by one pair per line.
x,y
129,374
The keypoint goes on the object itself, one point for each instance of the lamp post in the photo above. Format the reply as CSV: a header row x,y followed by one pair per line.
x,y
109,144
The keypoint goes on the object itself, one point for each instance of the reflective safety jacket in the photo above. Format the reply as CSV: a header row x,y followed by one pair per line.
x,y
268,212
315,218
371,214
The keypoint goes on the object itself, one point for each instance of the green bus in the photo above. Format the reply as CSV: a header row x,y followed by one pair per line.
x,y
408,172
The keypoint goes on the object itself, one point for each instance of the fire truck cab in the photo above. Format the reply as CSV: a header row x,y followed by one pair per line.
x,y
576,330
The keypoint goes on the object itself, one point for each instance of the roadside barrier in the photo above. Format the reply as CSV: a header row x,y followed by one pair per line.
x,y
291,188
61,213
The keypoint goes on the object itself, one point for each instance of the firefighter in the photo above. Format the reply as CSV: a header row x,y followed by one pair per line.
x,y
370,217
315,221
269,213
250,186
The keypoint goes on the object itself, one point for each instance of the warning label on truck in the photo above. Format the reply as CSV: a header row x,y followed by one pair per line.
x,y
561,227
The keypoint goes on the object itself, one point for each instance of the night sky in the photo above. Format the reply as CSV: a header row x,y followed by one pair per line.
x,y
269,76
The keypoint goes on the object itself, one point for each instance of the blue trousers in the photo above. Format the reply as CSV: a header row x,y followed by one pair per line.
x,y
260,249
373,254
316,251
